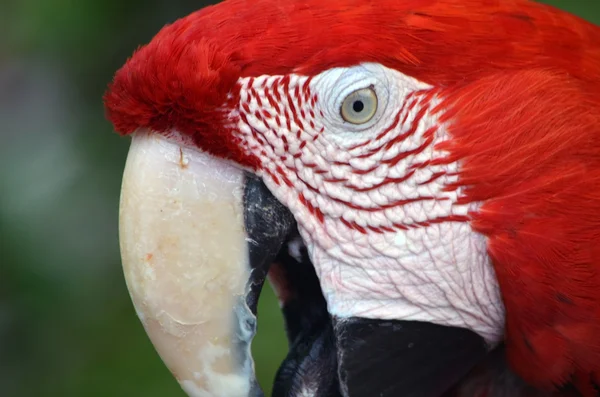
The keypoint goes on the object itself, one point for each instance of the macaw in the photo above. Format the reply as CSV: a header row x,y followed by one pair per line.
x,y
419,180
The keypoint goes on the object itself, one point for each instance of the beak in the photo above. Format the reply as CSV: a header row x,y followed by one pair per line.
x,y
197,237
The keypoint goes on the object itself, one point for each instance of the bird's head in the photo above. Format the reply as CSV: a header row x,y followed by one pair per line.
x,y
343,149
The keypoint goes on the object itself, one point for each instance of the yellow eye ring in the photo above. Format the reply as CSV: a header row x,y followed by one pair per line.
x,y
360,106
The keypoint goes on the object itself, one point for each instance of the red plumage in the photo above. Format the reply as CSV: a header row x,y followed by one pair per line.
x,y
529,143
182,77
520,84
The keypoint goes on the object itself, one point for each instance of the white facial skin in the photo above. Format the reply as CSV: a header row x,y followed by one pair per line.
x,y
386,239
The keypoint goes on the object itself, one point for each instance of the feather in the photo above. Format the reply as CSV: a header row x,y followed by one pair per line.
x,y
529,143
183,77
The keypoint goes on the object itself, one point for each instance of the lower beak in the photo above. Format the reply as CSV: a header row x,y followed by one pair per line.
x,y
197,236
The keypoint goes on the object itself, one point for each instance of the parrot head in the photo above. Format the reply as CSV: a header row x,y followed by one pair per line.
x,y
419,180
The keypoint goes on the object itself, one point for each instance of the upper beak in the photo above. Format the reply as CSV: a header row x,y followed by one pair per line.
x,y
197,236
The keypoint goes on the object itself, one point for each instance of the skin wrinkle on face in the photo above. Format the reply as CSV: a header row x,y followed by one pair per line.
x,y
386,239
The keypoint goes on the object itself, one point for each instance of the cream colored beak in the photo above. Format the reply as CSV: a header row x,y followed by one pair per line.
x,y
185,258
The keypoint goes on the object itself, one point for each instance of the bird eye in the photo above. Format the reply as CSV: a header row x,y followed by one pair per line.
x,y
360,106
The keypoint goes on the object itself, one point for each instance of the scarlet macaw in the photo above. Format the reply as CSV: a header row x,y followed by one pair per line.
x,y
420,180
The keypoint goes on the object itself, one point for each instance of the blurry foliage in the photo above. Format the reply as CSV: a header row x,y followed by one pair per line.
x,y
67,327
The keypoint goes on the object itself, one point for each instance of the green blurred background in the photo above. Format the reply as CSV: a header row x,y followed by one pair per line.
x,y
67,327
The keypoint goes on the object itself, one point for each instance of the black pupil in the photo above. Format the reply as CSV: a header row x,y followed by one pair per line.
x,y
358,106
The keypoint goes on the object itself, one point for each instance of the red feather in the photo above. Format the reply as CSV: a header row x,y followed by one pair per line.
x,y
182,77
529,143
